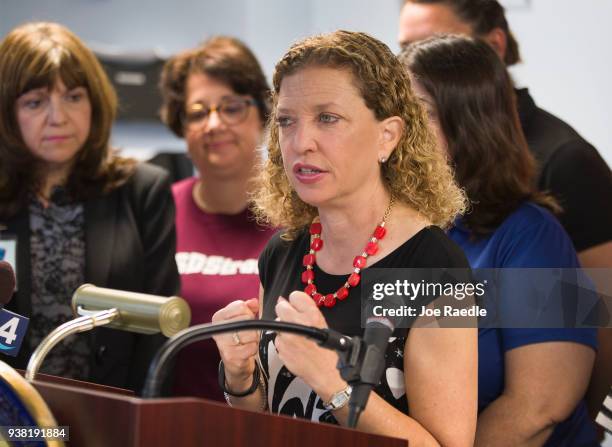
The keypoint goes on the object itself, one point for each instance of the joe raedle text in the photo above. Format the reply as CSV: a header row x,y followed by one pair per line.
x,y
424,311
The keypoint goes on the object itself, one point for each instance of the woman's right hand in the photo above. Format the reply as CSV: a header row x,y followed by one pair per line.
x,y
238,349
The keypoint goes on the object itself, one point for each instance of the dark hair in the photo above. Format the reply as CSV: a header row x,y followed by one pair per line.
x,y
37,55
476,107
223,58
483,16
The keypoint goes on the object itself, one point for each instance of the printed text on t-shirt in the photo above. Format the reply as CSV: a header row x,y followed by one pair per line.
x,y
190,263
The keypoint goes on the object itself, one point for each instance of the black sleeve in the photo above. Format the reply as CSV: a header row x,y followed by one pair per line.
x,y
438,251
267,260
178,165
158,235
581,181
443,260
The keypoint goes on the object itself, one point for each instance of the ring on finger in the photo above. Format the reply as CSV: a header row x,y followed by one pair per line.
x,y
236,338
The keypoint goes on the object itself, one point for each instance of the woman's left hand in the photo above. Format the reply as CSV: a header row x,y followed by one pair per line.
x,y
304,358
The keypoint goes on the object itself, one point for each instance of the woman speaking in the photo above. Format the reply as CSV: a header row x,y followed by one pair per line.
x,y
356,181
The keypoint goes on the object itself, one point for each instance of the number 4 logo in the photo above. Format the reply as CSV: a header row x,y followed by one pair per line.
x,y
8,330
13,328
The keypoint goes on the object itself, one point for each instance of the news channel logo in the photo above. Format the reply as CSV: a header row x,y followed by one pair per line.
x,y
12,331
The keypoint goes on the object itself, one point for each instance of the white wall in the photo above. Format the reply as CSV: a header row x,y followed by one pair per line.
x,y
567,64
565,44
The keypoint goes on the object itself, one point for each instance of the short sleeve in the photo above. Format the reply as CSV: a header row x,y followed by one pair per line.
x,y
265,263
515,338
158,234
543,243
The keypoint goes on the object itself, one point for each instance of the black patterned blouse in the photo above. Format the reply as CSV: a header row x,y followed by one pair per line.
x,y
280,268
57,242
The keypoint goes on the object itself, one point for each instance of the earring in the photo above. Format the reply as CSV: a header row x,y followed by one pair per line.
x,y
383,160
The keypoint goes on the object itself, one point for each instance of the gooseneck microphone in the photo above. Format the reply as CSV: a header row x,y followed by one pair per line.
x,y
363,369
158,370
361,360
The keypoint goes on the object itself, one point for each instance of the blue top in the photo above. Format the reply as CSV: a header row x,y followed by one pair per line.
x,y
530,237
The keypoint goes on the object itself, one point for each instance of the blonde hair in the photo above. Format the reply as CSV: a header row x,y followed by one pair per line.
x,y
416,173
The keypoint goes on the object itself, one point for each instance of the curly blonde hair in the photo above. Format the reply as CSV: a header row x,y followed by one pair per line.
x,y
416,172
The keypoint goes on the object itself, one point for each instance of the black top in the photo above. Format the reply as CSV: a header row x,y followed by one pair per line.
x,y
280,267
572,170
130,244
178,165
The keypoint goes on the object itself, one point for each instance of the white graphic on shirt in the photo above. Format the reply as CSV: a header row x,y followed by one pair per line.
x,y
298,388
191,263
395,380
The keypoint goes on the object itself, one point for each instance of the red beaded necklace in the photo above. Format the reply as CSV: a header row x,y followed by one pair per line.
x,y
359,263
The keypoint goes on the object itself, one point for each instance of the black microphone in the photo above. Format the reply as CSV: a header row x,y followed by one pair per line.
x,y
365,374
12,326
158,370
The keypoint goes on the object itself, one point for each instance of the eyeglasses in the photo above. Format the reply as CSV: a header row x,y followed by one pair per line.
x,y
231,112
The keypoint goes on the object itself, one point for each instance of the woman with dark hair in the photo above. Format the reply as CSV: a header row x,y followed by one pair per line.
x,y
216,97
531,381
354,179
78,212
486,19
569,167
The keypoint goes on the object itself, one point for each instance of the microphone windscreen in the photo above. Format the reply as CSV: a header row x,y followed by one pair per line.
x,y
7,282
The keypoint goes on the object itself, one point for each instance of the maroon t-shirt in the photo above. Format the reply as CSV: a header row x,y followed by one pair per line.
x,y
217,259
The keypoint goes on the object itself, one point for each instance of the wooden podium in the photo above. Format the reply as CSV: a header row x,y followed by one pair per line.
x,y
104,416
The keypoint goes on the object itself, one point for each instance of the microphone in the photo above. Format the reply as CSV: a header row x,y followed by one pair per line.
x,y
361,361
12,326
364,365
328,338
118,309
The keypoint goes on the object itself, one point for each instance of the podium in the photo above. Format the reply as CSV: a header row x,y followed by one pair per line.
x,y
101,416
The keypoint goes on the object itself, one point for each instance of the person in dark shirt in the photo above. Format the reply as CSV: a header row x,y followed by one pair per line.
x,y
352,170
78,211
569,167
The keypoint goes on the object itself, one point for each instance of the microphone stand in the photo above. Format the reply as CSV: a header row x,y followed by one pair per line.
x,y
351,352
157,371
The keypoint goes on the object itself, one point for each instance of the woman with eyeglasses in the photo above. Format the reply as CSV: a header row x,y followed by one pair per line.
x,y
215,96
